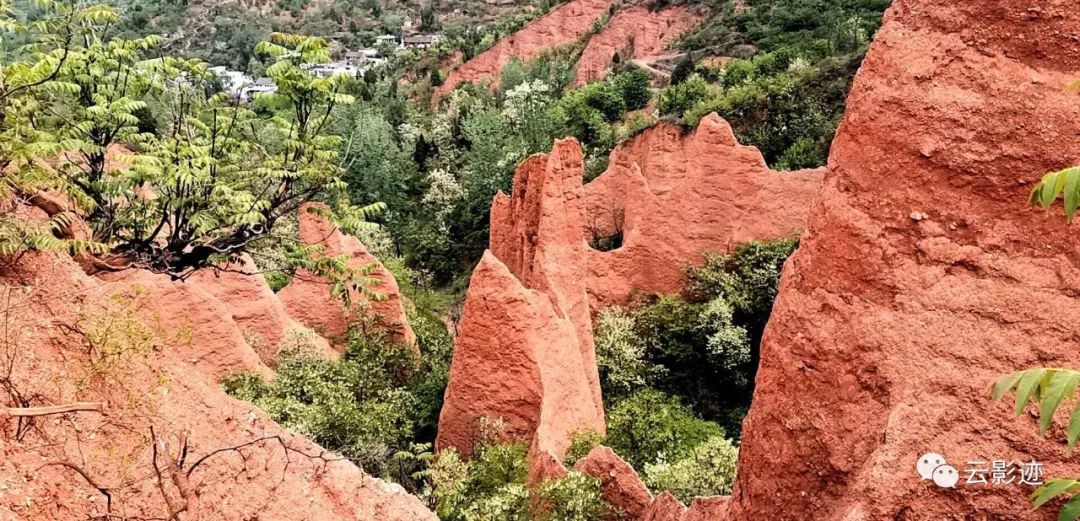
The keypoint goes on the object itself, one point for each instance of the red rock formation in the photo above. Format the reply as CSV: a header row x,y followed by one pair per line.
x,y
707,509
619,482
307,297
189,322
675,197
254,307
665,507
88,346
524,352
636,31
923,275
564,24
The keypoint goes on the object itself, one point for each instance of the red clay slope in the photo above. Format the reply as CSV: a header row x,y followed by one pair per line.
x,y
76,338
637,31
564,24
924,276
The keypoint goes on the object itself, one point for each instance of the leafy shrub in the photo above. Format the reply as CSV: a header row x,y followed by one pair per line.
x,y
357,406
709,470
678,98
650,426
706,355
492,487
620,354
748,278
634,87
574,497
581,443
701,347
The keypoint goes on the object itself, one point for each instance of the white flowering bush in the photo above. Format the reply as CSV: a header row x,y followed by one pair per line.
x,y
620,354
443,193
709,470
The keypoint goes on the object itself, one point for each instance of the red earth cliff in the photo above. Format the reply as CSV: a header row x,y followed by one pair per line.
x,y
564,24
152,350
924,276
675,197
634,32
524,352
307,297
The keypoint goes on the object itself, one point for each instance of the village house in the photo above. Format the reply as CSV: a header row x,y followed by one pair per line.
x,y
422,41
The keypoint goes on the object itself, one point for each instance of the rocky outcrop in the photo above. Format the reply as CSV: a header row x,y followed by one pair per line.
x,y
634,32
565,23
707,509
619,482
254,307
308,299
524,352
195,326
665,507
674,197
923,276
152,349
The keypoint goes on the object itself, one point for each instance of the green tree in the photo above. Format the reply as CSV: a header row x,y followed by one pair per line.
x,y
679,98
709,470
492,487
634,86
621,355
429,19
36,54
650,426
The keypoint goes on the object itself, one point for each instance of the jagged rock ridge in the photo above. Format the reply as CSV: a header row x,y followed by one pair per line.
x,y
675,197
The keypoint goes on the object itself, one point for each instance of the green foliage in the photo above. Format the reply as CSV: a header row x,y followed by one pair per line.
x,y
581,442
215,181
748,277
835,27
1049,388
621,354
634,87
353,406
492,487
709,470
1063,185
680,97
702,346
650,426
37,53
783,104
574,497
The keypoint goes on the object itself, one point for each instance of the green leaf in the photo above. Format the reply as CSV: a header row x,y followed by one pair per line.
x,y
1061,385
1071,510
1028,382
1074,428
1005,384
1072,192
1052,489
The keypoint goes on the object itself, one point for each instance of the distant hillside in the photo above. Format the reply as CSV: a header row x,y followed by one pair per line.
x,y
224,32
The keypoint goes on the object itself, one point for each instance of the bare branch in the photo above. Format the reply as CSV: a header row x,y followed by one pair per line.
x,y
24,412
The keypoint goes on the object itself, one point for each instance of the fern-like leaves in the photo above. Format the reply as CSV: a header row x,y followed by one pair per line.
x,y
1059,185
1049,388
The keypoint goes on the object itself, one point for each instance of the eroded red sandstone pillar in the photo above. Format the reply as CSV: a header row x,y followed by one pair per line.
x,y
924,275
